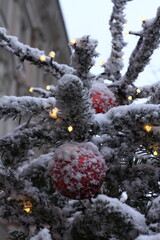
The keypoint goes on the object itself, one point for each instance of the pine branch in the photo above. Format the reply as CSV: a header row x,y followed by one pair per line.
x,y
148,42
82,56
27,106
114,64
24,52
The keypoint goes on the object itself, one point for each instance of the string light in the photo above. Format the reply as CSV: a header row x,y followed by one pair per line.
x,y
52,54
53,113
42,58
155,153
127,32
73,42
143,19
102,63
31,89
48,87
138,90
123,57
27,206
70,128
130,98
148,127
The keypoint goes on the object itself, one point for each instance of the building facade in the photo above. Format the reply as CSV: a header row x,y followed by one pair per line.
x,y
39,24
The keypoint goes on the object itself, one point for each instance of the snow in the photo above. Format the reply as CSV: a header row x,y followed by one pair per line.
x,y
145,237
130,214
43,234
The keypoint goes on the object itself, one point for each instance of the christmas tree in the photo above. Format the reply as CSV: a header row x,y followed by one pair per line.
x,y
99,175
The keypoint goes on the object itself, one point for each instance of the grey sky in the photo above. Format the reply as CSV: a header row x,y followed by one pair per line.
x,y
90,17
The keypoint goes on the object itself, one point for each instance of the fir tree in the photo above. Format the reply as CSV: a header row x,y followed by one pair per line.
x,y
82,123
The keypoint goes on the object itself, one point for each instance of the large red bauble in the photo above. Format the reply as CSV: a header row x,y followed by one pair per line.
x,y
102,98
78,170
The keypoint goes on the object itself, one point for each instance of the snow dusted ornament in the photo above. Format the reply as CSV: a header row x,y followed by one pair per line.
x,y
78,170
102,98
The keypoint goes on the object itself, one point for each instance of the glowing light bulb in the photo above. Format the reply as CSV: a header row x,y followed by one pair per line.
x,y
42,58
138,90
123,57
73,42
130,98
148,127
53,113
155,153
143,19
102,63
70,128
48,87
127,32
52,54
27,206
31,89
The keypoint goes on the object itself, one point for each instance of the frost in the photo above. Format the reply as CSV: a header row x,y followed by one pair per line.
x,y
146,237
43,234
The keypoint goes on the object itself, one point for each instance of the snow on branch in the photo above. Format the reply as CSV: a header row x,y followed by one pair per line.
x,y
83,54
43,234
127,124
114,64
27,106
26,137
25,52
148,42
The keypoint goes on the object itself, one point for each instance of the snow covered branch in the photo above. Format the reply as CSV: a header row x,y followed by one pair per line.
x,y
148,42
82,55
114,64
25,52
12,107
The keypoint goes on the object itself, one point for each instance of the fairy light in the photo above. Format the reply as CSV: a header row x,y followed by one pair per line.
x,y
102,63
53,113
48,87
27,206
155,153
42,58
127,32
130,98
31,89
123,57
143,19
52,54
147,127
73,42
70,128
138,90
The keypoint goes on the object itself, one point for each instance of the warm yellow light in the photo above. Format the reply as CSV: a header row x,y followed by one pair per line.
x,y
42,58
143,19
48,87
130,98
148,127
31,89
70,128
27,206
155,153
102,63
127,32
53,113
138,90
73,42
123,57
52,54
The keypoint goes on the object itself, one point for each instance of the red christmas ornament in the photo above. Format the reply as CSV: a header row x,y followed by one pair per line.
x,y
78,170
102,98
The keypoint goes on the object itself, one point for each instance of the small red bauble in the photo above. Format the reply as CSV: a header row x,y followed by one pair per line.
x,y
78,170
102,98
